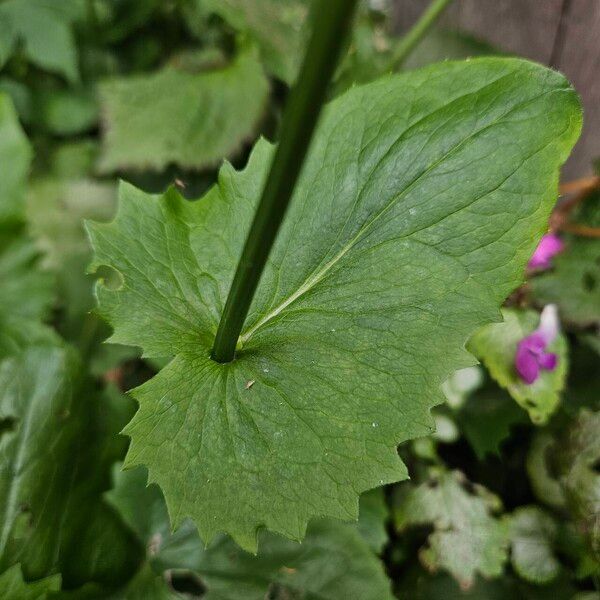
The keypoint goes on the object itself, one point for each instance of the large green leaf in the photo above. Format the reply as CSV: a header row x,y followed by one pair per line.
x,y
421,200
13,587
496,346
333,562
172,116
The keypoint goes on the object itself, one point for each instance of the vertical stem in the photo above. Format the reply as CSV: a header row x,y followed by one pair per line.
x,y
418,31
331,21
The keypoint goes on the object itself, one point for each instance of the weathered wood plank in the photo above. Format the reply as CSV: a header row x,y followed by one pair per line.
x,y
579,59
525,27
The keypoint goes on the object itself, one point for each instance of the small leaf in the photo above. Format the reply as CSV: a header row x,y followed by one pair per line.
x,y
190,119
467,539
14,588
419,204
533,534
496,346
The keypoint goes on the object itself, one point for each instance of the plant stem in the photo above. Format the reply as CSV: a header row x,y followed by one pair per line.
x,y
331,19
418,31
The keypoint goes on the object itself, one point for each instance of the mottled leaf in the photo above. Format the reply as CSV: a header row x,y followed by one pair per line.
x,y
533,534
467,539
496,346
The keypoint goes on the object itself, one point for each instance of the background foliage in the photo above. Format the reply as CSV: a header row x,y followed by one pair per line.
x,y
503,499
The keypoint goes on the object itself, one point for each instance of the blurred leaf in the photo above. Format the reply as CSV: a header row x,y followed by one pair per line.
x,y
496,345
461,384
26,295
57,447
26,292
486,419
578,460
64,112
12,586
56,209
583,386
97,547
15,155
147,585
369,53
574,282
191,119
39,400
43,29
467,539
120,18
420,585
373,514
275,25
333,561
542,474
564,472
532,536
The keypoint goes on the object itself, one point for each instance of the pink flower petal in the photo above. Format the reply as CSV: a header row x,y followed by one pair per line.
x,y
550,245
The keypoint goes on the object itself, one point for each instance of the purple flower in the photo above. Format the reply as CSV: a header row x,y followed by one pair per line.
x,y
531,354
550,245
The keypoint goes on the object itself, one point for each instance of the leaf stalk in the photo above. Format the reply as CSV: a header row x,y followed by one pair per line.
x,y
418,31
331,22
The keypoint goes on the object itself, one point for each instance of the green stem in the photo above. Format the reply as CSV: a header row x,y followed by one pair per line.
x,y
332,20
418,31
